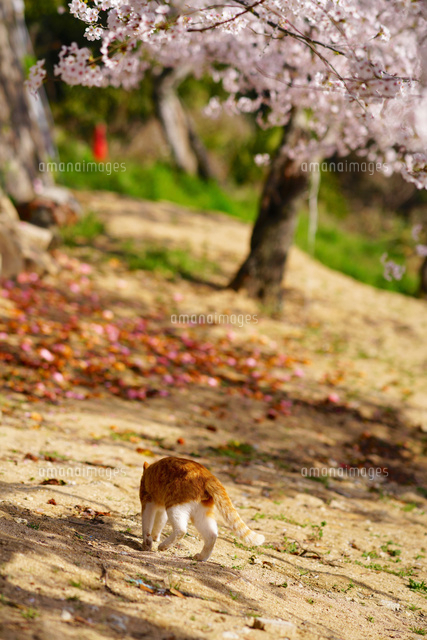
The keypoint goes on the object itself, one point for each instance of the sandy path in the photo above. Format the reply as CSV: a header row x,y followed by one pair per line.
x,y
71,569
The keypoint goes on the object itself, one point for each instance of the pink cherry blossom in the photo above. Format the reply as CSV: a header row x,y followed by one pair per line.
x,y
334,398
36,77
355,69
58,377
298,372
46,355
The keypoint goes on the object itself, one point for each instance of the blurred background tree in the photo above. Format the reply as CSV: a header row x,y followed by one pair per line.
x,y
361,216
25,139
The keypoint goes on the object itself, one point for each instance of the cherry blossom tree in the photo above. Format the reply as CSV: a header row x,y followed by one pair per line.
x,y
338,75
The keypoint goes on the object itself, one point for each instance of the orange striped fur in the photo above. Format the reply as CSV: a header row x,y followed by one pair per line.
x,y
179,490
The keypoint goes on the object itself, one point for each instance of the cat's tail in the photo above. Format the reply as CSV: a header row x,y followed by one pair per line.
x,y
230,516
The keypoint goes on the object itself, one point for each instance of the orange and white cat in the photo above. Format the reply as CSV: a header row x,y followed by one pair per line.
x,y
179,490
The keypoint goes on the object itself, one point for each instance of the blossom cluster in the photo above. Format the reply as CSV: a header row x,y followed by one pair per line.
x,y
36,77
392,270
355,69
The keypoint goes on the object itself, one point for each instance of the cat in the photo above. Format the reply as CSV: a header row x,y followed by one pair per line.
x,y
179,490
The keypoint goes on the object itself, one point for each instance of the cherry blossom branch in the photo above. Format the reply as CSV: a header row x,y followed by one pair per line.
x,y
296,36
232,19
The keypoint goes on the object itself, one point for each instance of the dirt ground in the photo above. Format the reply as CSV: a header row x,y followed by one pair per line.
x,y
339,388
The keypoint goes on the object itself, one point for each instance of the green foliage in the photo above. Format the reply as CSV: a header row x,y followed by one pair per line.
x,y
331,197
421,587
241,158
370,554
356,255
322,479
290,546
238,451
126,436
168,262
409,507
154,182
378,567
81,108
28,61
30,613
74,107
37,9
234,141
317,531
84,231
75,583
259,516
351,253
234,144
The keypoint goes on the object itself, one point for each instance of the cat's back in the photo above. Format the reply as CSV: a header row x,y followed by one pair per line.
x,y
176,469
176,479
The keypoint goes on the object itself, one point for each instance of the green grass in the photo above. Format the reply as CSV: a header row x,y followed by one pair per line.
x,y
155,182
378,567
421,587
370,554
126,435
351,253
356,255
85,230
30,613
75,583
168,262
237,451
317,530
160,259
409,507
322,479
290,546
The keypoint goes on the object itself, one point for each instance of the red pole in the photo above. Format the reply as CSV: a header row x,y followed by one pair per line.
x,y
100,144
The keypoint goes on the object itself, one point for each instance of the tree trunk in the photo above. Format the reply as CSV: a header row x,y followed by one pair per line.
x,y
262,272
23,130
187,149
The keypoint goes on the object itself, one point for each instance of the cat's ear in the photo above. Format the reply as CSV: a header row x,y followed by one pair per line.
x,y
146,465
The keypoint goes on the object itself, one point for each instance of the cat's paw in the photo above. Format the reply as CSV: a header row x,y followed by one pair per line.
x,y
200,557
147,543
163,546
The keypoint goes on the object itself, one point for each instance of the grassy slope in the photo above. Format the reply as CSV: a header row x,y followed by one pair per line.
x,y
353,254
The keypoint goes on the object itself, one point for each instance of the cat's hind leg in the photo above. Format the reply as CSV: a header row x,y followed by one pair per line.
x,y
148,515
206,525
160,520
178,516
